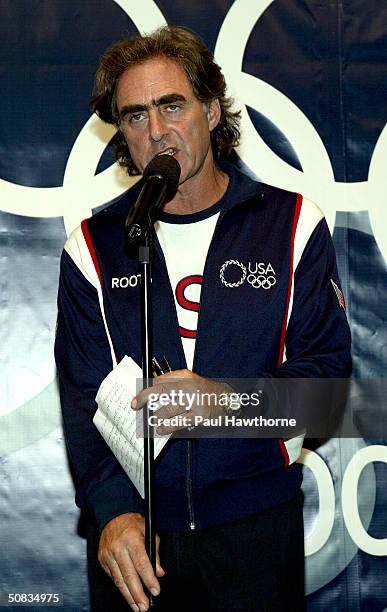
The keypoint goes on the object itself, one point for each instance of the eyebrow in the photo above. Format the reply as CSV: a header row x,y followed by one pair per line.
x,y
137,108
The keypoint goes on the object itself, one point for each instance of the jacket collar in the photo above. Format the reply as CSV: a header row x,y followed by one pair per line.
x,y
240,188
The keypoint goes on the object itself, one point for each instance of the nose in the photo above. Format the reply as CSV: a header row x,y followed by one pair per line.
x,y
157,125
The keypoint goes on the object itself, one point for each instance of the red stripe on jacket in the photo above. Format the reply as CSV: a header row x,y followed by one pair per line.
x,y
86,235
296,217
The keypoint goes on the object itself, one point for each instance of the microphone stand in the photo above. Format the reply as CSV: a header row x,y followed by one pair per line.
x,y
161,177
145,259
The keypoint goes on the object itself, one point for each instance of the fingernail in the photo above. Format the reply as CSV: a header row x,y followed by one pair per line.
x,y
143,607
135,608
155,591
134,404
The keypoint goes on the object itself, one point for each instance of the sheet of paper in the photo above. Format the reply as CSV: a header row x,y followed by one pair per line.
x,y
117,422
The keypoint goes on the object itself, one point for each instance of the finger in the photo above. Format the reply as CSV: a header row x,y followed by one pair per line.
x,y
171,410
144,569
105,567
159,570
132,580
172,417
119,567
118,579
183,373
160,381
149,394
181,422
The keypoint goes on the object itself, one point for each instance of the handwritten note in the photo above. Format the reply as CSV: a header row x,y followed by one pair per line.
x,y
119,425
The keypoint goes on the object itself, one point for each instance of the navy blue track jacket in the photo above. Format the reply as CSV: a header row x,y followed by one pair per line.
x,y
296,327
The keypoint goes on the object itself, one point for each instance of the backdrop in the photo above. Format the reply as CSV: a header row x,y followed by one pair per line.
x,y
311,79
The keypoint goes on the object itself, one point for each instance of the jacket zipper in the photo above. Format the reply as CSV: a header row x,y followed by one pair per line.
x,y
188,476
189,486
191,513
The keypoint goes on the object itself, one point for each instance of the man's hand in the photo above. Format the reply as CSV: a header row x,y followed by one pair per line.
x,y
185,393
123,557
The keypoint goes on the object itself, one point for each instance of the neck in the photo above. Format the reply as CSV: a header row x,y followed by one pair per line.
x,y
196,195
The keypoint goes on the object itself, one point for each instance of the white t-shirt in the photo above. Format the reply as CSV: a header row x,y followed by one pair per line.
x,y
185,240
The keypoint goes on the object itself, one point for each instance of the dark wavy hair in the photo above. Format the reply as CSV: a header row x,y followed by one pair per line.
x,y
186,49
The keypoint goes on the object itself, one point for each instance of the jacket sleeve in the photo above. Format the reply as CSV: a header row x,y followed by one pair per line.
x,y
317,340
317,352
84,356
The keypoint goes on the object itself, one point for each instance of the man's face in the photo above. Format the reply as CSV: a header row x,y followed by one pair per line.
x,y
159,113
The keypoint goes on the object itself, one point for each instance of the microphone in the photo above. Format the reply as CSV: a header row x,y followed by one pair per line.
x,y
161,179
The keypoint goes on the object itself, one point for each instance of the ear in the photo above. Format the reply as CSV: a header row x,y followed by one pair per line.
x,y
213,114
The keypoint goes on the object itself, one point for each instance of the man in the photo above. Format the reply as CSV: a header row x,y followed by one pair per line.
x,y
260,263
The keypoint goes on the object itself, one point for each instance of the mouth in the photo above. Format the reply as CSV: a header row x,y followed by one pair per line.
x,y
169,151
